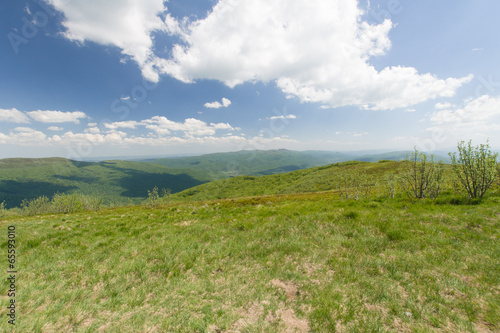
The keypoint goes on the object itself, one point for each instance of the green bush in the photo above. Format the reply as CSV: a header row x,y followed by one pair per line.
x,y
60,203
475,167
421,177
40,205
69,203
155,199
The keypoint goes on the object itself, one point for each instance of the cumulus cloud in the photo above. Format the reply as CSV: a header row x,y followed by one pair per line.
x,y
163,126
442,106
216,105
287,116
191,127
477,116
125,24
122,124
56,116
13,116
195,133
25,135
55,128
316,51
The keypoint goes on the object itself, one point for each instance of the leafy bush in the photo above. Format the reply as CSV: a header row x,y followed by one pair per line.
x,y
40,205
475,168
155,199
421,178
60,203
69,203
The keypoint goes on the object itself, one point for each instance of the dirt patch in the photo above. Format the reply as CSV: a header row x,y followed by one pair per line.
x,y
290,323
376,308
250,316
186,223
290,288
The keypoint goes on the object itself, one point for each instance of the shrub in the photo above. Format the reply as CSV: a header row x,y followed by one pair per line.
x,y
475,168
154,199
421,178
40,205
70,203
60,203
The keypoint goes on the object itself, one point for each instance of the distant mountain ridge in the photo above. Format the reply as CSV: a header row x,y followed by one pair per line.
x,y
267,162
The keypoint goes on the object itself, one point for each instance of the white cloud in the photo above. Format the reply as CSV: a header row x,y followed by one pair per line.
x,y
215,105
92,130
13,116
410,110
122,124
317,51
163,126
477,117
191,127
442,106
288,116
55,128
26,135
125,24
57,116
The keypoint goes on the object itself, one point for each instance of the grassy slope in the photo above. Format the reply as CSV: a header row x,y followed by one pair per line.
x,y
254,162
115,181
323,178
304,262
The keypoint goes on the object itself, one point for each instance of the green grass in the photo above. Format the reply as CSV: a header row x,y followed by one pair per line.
x,y
303,262
323,178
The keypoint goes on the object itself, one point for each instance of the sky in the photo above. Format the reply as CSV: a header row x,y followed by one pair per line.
x,y
86,78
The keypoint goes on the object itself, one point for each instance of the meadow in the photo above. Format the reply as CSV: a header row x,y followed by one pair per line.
x,y
290,263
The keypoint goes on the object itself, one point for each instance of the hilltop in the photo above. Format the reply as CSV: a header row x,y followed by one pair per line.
x,y
324,178
294,263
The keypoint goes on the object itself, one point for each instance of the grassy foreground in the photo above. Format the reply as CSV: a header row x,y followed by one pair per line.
x,y
294,263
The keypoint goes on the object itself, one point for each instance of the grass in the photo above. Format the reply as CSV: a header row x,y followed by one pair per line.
x,y
299,262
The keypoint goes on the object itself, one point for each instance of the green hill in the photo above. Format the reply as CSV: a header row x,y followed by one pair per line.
x,y
316,179
114,181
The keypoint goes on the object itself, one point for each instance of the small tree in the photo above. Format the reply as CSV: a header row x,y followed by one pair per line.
x,y
153,199
475,167
421,177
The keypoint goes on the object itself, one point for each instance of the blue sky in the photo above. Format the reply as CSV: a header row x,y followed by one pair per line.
x,y
81,79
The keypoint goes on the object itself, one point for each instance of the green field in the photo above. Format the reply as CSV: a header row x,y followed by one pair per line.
x,y
302,262
374,177
335,248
